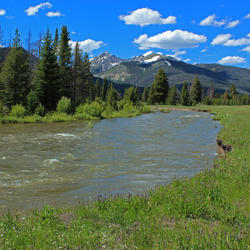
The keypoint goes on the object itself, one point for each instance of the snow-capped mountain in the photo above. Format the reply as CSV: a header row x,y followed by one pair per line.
x,y
104,62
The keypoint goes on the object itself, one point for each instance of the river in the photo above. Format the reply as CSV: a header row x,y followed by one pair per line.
x,y
64,163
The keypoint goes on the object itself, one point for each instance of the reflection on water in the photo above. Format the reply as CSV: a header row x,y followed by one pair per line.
x,y
66,162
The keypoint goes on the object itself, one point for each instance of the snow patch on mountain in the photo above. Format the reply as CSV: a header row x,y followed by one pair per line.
x,y
147,53
153,59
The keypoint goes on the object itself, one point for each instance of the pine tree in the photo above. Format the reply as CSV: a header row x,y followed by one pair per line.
x,y
104,89
87,79
233,91
56,41
131,96
172,96
112,97
159,89
137,95
184,96
15,76
145,94
195,92
65,63
47,77
77,86
97,88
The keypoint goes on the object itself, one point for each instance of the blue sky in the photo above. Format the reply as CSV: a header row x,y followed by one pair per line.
x,y
215,31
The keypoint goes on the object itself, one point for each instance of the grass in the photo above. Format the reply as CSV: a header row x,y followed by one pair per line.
x,y
208,211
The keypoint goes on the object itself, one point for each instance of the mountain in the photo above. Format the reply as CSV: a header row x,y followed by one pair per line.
x,y
4,51
103,62
140,71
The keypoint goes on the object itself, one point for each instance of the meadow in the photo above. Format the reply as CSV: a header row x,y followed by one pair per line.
x,y
207,211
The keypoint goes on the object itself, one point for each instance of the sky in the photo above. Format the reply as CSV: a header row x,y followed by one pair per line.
x,y
214,31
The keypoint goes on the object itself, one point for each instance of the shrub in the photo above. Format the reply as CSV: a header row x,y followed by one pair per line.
x,y
31,102
64,105
17,111
93,109
40,110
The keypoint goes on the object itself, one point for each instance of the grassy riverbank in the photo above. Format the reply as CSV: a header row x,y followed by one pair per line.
x,y
92,111
208,211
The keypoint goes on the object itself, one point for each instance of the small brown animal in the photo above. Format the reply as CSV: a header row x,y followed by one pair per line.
x,y
223,148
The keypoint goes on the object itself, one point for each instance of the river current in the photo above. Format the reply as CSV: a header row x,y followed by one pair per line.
x,y
64,163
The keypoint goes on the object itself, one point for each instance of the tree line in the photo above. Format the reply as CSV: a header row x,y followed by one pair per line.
x,y
161,93
61,72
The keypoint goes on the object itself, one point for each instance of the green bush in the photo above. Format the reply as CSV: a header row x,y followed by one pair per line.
x,y
40,110
58,117
17,111
93,109
31,102
64,105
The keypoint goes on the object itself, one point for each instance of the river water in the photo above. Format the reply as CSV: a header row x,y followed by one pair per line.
x,y
64,163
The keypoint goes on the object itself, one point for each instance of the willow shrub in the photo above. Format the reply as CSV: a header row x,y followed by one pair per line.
x,y
17,111
64,105
93,109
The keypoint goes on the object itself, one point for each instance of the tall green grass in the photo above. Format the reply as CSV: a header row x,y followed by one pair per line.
x,y
208,211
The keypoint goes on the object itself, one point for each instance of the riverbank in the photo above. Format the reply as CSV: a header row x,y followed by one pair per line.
x,y
207,211
90,113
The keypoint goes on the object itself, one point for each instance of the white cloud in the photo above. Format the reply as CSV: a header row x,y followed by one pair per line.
x,y
177,54
221,39
232,60
224,39
211,21
32,10
2,12
176,39
204,50
187,60
233,24
247,16
145,16
247,49
180,52
88,45
54,14
237,42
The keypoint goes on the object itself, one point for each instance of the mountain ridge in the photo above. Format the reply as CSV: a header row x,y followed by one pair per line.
x,y
140,71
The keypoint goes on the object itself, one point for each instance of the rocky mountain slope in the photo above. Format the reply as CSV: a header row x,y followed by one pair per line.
x,y
104,62
141,70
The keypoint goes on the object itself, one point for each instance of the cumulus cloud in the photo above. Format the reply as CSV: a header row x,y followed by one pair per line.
x,y
247,49
237,42
177,54
224,39
54,14
177,39
180,52
247,16
32,10
204,50
221,39
233,24
232,60
145,16
2,12
88,45
211,21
